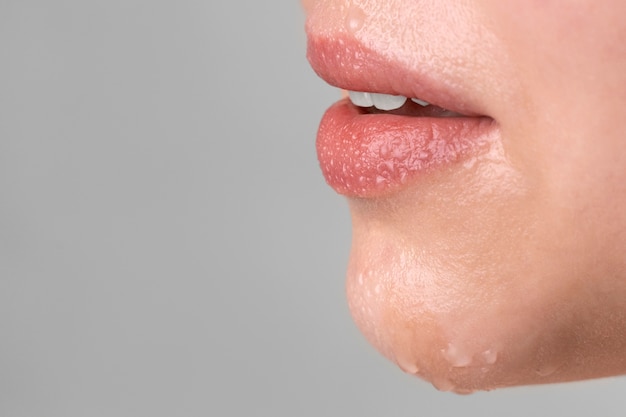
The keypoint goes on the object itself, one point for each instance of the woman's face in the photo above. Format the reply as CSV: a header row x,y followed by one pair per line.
x,y
489,245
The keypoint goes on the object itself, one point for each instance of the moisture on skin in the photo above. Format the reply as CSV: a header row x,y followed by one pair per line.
x,y
506,267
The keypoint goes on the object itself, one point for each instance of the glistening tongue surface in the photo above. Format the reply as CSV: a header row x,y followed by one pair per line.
x,y
412,109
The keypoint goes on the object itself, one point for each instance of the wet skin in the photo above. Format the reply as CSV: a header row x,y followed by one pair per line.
x,y
507,267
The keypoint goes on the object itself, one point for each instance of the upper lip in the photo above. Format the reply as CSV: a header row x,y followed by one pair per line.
x,y
347,63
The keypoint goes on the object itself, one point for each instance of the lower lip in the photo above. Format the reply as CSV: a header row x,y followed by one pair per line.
x,y
371,155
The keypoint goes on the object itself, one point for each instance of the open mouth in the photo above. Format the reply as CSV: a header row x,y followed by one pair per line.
x,y
398,124
377,103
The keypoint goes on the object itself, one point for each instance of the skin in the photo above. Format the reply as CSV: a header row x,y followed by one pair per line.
x,y
508,269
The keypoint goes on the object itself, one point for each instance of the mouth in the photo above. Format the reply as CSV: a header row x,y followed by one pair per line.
x,y
377,103
397,125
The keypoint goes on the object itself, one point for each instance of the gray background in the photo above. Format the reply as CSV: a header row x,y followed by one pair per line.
x,y
168,246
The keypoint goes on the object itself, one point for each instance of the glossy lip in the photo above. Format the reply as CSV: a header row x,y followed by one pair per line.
x,y
372,155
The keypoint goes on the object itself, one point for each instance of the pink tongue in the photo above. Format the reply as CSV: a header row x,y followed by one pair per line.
x,y
413,109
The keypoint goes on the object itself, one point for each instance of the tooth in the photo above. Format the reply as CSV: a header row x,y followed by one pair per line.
x,y
387,102
420,102
361,99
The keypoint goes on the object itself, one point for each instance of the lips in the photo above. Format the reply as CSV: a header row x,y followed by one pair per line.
x,y
370,154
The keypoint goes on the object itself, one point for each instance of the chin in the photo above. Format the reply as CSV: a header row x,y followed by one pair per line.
x,y
478,319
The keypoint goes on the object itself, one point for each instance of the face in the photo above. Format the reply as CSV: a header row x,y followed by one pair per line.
x,y
489,228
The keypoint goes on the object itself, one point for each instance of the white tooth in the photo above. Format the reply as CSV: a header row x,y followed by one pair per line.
x,y
420,102
387,102
361,99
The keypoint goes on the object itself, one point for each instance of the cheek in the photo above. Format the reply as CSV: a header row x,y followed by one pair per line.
x,y
567,138
560,54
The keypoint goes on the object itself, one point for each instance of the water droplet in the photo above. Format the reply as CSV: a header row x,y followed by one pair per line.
x,y
409,367
456,357
490,356
443,384
355,19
